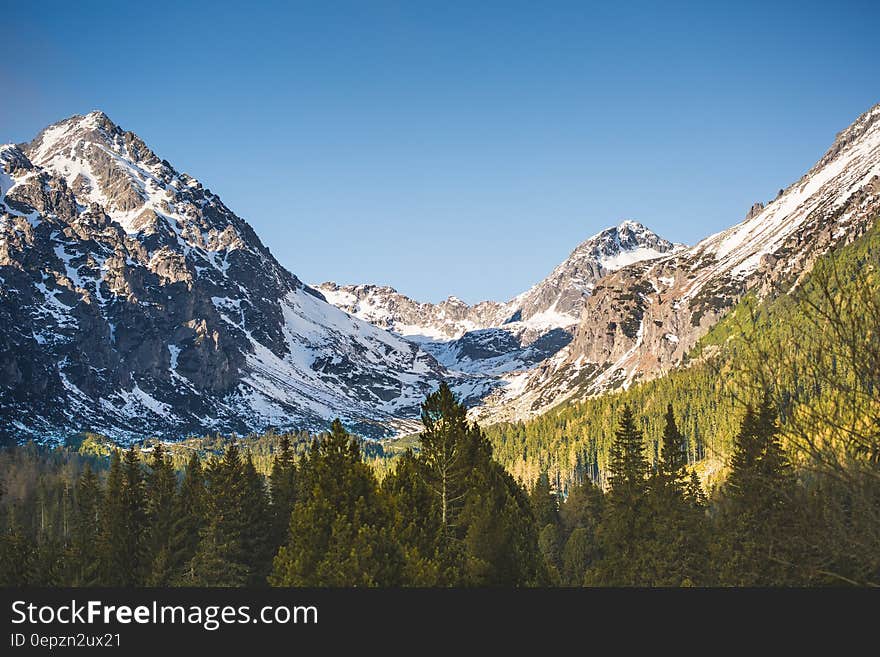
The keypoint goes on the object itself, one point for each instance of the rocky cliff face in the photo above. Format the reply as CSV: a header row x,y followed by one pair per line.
x,y
133,302
491,338
641,320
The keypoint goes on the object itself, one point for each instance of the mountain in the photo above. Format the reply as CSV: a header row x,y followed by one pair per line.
x,y
490,338
643,319
133,301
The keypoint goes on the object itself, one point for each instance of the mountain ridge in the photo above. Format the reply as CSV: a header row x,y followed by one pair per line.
x,y
134,302
647,316
492,338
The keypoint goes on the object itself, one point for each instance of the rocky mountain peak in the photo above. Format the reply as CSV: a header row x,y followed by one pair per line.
x,y
110,167
644,318
563,292
627,236
133,301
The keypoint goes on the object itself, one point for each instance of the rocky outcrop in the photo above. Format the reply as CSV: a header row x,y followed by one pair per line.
x,y
491,338
643,319
134,302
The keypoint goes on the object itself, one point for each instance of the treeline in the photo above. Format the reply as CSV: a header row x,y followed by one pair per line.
x,y
449,515
261,447
813,345
574,441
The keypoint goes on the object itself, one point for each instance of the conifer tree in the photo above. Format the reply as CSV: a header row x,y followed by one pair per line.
x,y
760,509
84,558
113,558
340,528
627,465
220,559
282,486
133,509
694,494
545,504
677,552
447,452
478,517
673,457
189,518
161,487
625,532
257,535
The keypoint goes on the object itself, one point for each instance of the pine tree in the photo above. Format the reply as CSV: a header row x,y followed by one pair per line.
x,y
257,536
113,558
133,509
545,503
673,461
221,558
189,519
677,553
84,558
627,465
625,532
282,486
340,528
760,507
454,495
545,506
694,494
447,451
161,488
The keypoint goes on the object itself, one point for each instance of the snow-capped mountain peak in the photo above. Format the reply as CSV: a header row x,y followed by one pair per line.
x,y
134,302
493,338
567,286
104,164
647,316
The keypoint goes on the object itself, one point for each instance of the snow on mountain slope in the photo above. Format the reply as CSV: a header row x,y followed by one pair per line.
x,y
491,338
133,302
644,318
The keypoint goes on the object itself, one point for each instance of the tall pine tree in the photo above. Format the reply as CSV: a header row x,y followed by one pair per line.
x,y
625,532
160,493
134,520
677,553
189,519
760,507
340,532
221,558
84,563
282,487
257,540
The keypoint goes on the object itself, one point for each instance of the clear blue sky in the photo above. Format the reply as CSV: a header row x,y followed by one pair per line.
x,y
455,147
